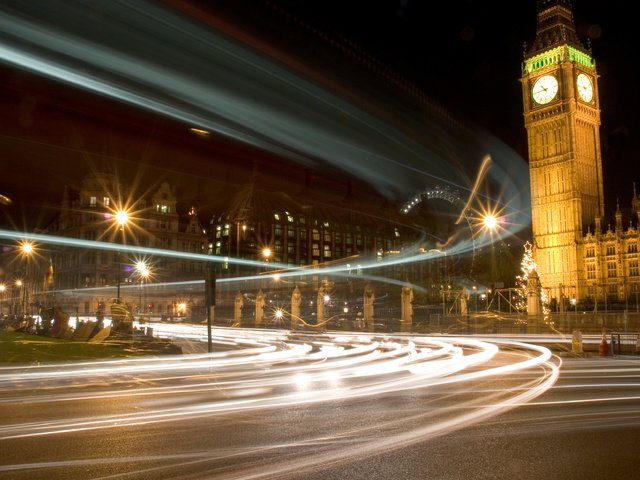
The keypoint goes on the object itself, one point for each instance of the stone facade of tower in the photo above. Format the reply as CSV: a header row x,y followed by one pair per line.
x,y
577,260
562,118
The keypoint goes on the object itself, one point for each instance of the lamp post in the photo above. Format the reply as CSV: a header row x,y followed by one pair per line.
x,y
475,298
490,223
16,298
26,249
266,254
240,226
3,288
143,274
121,218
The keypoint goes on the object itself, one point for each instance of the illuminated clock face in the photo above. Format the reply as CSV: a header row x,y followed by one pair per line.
x,y
585,88
545,89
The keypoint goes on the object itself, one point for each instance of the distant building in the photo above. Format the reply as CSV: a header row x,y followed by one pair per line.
x,y
306,227
611,260
303,229
82,273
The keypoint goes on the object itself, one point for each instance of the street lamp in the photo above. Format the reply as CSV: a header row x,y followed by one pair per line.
x,y
490,223
121,218
3,288
266,254
26,249
16,298
475,298
143,274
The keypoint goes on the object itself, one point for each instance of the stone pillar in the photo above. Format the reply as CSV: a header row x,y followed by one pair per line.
x,y
237,309
369,298
260,301
464,304
296,300
320,306
406,303
533,294
576,342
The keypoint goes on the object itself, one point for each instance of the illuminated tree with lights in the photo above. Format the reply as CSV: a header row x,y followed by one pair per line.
x,y
528,267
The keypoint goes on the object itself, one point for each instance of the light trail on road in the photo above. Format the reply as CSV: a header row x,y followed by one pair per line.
x,y
276,370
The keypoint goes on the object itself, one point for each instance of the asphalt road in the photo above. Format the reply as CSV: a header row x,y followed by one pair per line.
x,y
326,407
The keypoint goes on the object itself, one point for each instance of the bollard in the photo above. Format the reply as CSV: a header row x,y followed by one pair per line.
x,y
603,349
576,342
615,344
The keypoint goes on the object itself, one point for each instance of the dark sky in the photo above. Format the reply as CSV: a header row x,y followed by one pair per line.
x,y
464,56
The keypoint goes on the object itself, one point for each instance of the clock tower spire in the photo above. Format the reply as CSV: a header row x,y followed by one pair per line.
x,y
562,119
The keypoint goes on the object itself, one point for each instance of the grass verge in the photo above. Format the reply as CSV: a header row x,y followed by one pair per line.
x,y
26,348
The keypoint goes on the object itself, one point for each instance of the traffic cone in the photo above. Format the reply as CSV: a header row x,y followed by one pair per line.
x,y
604,346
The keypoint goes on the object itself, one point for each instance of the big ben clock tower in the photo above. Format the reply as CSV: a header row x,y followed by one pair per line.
x,y
562,118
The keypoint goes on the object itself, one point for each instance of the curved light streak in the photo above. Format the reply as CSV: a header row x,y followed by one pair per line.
x,y
210,80
265,375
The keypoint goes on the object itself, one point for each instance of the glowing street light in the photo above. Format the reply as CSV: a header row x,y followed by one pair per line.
x,y
26,249
143,274
121,218
278,316
490,223
16,298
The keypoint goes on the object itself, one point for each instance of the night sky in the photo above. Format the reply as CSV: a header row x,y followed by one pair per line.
x,y
465,57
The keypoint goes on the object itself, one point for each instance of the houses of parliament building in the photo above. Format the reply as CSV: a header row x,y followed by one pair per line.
x,y
580,257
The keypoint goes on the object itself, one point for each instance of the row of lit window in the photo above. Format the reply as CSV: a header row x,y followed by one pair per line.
x,y
612,270
611,250
106,202
223,231
302,234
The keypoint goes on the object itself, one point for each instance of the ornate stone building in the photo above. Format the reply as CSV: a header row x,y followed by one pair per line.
x,y
576,259
306,226
90,277
611,260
